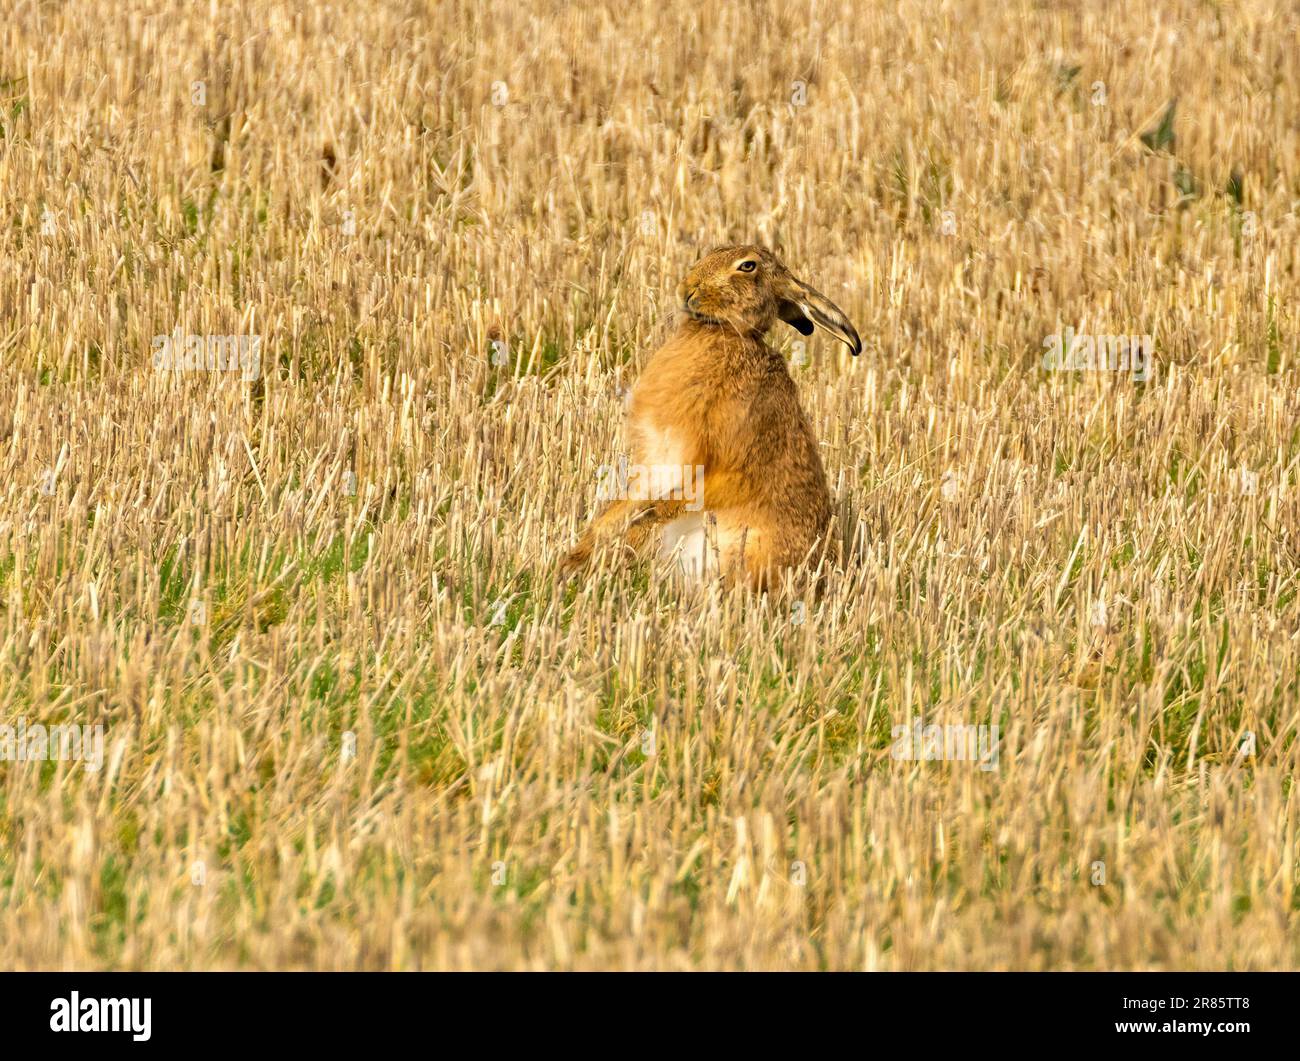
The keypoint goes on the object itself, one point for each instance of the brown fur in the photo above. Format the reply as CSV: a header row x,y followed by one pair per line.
x,y
717,396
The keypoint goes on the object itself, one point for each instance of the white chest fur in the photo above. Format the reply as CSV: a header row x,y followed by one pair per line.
x,y
659,446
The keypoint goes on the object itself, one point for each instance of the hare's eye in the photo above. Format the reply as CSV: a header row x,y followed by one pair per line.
x,y
747,266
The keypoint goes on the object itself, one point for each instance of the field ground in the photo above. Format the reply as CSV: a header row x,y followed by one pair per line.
x,y
350,717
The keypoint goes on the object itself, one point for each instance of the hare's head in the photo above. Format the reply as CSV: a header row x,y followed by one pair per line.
x,y
748,289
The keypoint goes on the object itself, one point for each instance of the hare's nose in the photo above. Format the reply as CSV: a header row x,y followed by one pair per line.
x,y
688,295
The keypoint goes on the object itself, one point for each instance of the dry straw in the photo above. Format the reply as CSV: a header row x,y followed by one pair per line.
x,y
350,718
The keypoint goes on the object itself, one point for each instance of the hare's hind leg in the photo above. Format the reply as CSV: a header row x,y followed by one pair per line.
x,y
756,553
769,566
630,521
740,549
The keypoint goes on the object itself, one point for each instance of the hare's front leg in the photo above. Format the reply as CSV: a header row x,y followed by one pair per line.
x,y
632,521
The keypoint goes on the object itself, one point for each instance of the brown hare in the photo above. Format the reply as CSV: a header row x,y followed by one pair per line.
x,y
724,458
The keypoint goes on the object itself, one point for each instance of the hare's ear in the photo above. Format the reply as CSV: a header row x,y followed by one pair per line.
x,y
801,307
793,316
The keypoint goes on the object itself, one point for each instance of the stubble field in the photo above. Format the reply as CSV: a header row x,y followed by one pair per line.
x,y
351,718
